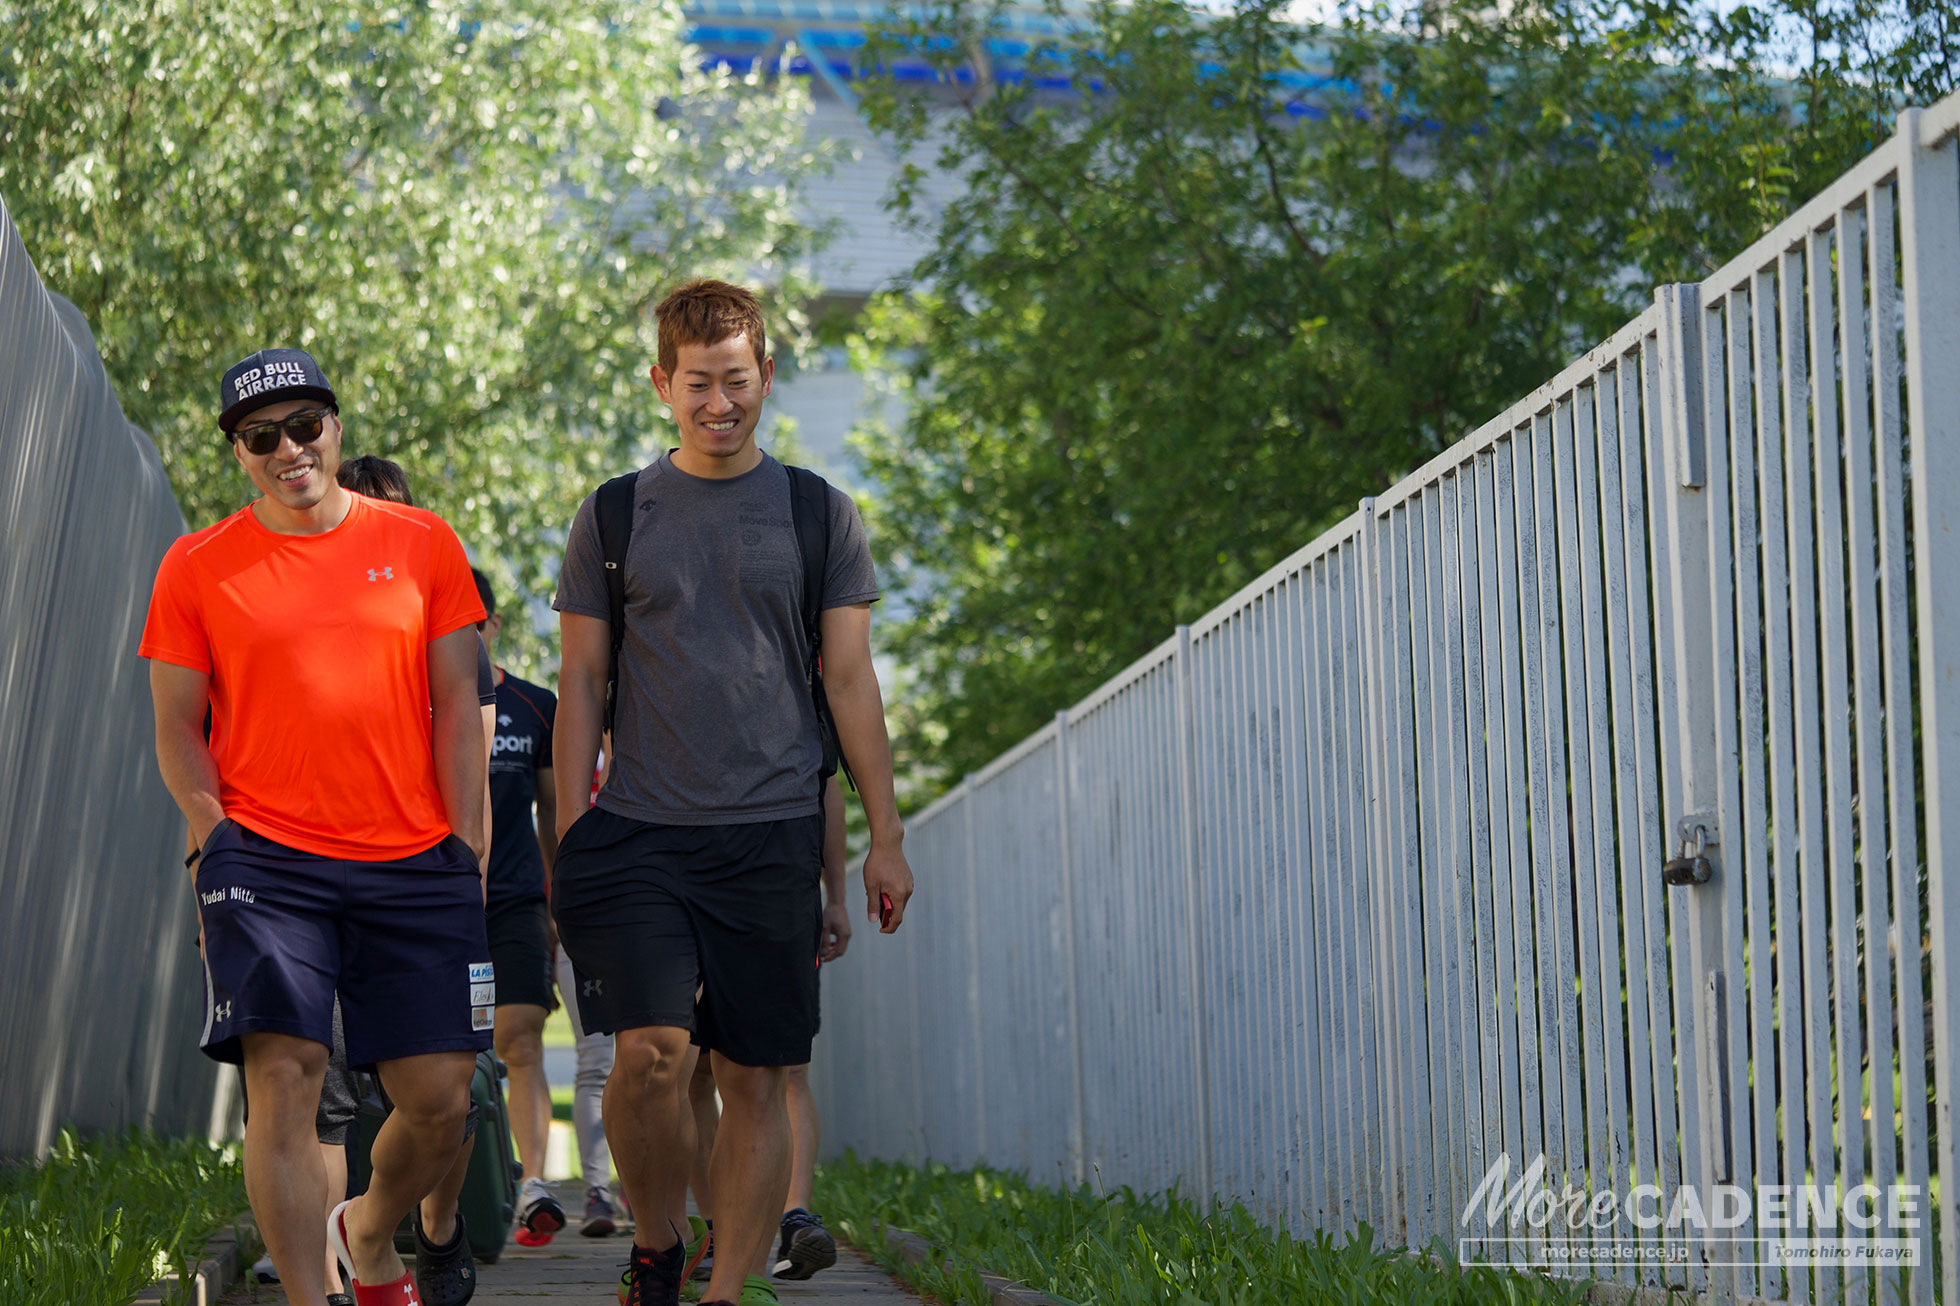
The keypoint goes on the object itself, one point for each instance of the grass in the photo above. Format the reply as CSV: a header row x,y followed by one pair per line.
x,y
102,1218
1137,1250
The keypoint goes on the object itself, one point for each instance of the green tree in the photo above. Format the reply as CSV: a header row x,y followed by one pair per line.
x,y
465,210
1238,275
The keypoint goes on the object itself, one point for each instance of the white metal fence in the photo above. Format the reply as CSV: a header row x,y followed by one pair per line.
x,y
1355,884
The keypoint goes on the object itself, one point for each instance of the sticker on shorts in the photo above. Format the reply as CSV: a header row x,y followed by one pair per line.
x,y
482,972
483,993
482,1018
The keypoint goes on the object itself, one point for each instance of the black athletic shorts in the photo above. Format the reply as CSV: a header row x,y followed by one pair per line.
x,y
648,913
520,948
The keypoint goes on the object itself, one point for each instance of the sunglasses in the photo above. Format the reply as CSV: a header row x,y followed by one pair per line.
x,y
262,438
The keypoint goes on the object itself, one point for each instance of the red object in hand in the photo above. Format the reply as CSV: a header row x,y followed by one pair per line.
x,y
884,911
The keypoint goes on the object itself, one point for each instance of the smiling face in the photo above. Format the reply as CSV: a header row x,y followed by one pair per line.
x,y
716,392
296,477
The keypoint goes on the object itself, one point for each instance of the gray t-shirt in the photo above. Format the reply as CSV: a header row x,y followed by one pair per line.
x,y
714,724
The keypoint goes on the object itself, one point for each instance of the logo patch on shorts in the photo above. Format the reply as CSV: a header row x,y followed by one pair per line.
x,y
483,995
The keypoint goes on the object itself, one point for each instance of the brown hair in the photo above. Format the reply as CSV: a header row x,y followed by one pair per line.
x,y
377,478
708,312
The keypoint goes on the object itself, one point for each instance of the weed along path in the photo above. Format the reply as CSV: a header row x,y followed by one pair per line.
x,y
577,1269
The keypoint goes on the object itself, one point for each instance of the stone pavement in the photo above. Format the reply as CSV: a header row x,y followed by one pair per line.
x,y
576,1269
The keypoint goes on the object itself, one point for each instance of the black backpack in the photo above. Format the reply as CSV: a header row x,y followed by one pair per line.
x,y
809,510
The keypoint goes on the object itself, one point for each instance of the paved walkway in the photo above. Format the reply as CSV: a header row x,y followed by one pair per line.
x,y
576,1269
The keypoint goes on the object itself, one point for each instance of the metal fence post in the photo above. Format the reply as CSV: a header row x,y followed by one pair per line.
x,y
973,986
1929,224
1194,955
1692,784
1391,1212
1065,867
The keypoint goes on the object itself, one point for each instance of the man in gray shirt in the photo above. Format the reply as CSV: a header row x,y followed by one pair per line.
x,y
698,868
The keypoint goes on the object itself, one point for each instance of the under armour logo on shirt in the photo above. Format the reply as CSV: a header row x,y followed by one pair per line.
x,y
386,573
593,987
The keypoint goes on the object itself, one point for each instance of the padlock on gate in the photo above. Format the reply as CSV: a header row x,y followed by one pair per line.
x,y
1692,865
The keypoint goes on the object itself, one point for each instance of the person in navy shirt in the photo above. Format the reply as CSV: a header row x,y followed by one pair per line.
x,y
522,849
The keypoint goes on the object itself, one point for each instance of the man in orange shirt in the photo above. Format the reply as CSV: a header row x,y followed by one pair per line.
x,y
333,637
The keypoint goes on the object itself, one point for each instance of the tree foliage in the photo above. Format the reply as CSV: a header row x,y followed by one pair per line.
x,y
1237,275
464,209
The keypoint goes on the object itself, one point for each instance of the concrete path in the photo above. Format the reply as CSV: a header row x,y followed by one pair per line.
x,y
577,1269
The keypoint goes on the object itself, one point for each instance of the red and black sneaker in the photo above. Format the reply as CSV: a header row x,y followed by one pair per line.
x,y
653,1278
538,1214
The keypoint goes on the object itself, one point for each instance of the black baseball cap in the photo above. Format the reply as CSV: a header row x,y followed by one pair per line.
x,y
271,376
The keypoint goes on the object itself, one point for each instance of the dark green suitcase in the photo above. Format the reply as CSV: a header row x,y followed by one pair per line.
x,y
489,1199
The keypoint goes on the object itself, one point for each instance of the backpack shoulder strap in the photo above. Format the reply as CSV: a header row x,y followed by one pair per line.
x,y
809,510
613,506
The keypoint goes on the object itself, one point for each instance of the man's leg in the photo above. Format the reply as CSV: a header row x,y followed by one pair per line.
x,y
415,1148
339,1105
520,1042
643,1124
333,1159
804,1130
283,1175
595,1063
807,1246
750,1172
707,1119
438,1209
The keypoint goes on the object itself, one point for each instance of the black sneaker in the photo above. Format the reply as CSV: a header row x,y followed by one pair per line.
x,y
339,1299
806,1248
598,1213
653,1278
445,1275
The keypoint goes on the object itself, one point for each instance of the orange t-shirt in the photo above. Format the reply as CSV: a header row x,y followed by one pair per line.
x,y
318,651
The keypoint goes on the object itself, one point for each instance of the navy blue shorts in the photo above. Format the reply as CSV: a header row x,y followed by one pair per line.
x,y
402,941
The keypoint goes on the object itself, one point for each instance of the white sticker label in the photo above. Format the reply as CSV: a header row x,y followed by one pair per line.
x,y
482,1018
482,993
482,972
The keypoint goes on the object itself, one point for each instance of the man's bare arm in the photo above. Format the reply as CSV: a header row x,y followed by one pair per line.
x,y
548,820
461,755
584,659
835,936
489,711
180,697
834,850
851,684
